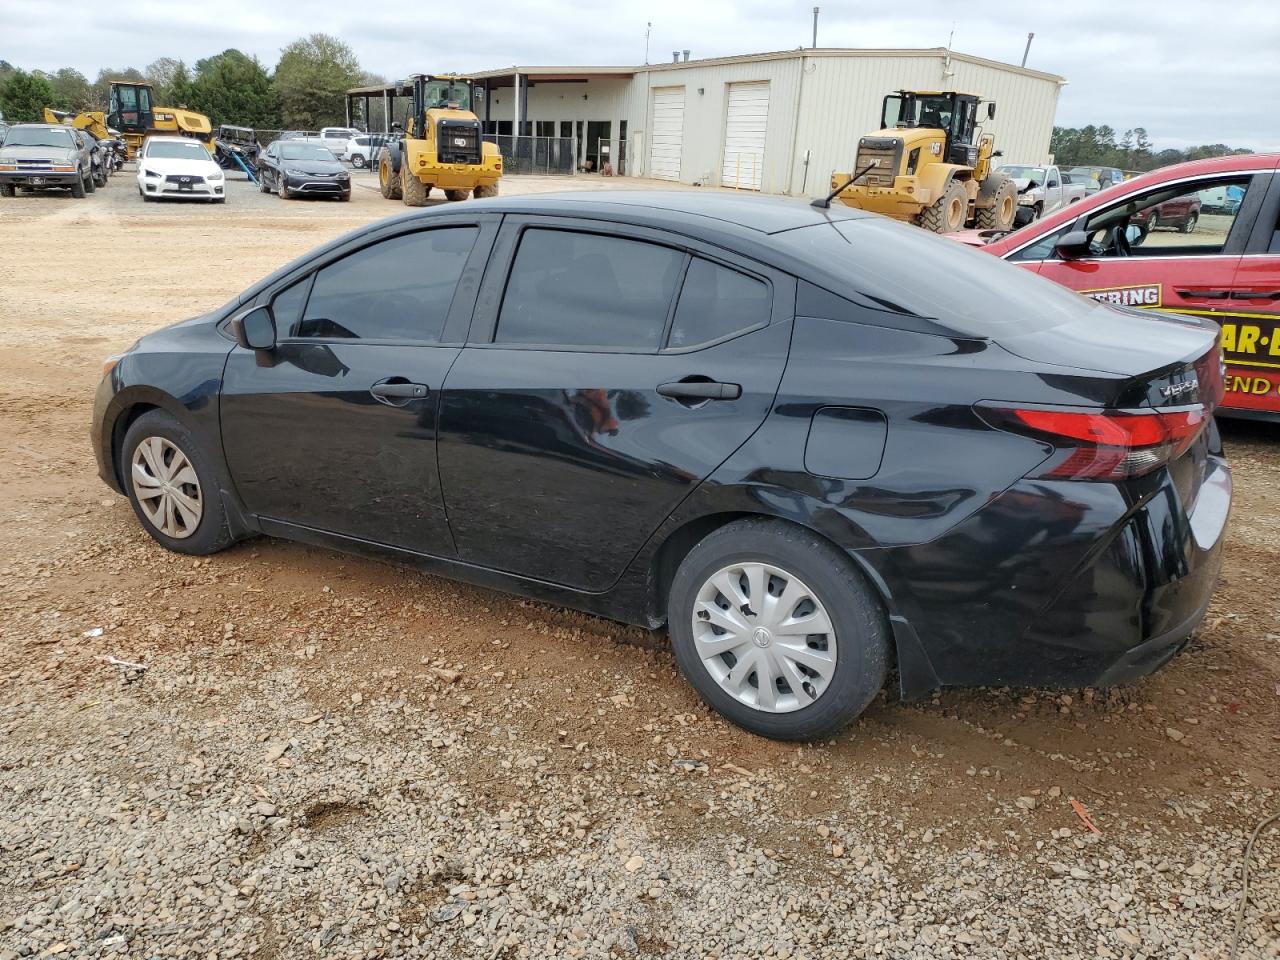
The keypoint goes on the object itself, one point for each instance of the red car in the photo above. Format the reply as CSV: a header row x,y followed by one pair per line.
x,y
1226,267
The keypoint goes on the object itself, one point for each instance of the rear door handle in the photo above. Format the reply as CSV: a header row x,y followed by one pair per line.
x,y
1203,294
1256,295
690,389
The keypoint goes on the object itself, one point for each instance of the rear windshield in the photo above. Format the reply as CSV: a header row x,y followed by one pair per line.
x,y
163,150
922,274
37,137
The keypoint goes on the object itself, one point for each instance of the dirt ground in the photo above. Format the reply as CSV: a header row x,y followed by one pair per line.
x,y
577,729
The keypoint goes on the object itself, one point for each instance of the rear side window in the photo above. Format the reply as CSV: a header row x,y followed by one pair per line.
x,y
715,303
572,289
399,289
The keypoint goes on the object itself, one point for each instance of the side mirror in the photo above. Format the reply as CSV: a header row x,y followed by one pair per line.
x,y
997,153
1073,245
991,111
256,329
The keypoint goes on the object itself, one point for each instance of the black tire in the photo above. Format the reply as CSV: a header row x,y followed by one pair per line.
x,y
89,185
357,160
212,533
77,188
262,182
857,617
281,189
388,177
1153,220
1004,204
413,191
481,193
949,212
1189,225
456,195
8,190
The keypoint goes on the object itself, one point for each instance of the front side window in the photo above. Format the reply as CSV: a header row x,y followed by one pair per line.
x,y
717,302
398,289
1179,220
571,289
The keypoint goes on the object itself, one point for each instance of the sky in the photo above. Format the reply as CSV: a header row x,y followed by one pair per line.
x,y
1188,71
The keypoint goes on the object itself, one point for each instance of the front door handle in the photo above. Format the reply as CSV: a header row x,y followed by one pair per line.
x,y
700,389
398,393
1203,294
1256,295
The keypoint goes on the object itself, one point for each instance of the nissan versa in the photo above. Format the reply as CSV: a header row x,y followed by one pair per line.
x,y
816,444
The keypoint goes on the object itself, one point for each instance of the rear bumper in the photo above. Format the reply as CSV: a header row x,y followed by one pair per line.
x,y
1063,584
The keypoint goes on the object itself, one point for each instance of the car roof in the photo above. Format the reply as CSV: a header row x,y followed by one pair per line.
x,y
690,208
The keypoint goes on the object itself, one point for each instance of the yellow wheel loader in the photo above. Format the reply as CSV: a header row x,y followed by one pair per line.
x,y
441,147
134,113
930,165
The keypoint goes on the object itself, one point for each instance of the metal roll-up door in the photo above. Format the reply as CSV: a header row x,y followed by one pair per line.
x,y
744,129
667,142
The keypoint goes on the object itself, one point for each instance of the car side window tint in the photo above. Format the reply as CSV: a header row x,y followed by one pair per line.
x,y
572,289
397,289
286,308
717,302
1042,249
1177,221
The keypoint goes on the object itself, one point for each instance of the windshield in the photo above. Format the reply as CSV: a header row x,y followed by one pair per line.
x,y
1025,173
38,137
165,150
305,151
454,94
964,289
934,112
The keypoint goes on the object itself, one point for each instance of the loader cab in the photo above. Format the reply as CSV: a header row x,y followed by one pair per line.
x,y
955,114
132,106
436,93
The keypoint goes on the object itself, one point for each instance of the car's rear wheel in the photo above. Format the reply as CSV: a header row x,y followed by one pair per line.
x,y
777,630
357,160
172,487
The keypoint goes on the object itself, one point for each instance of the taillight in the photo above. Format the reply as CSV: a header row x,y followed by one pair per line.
x,y
1102,444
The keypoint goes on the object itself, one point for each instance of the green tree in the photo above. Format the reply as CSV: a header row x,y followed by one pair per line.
x,y
181,92
234,88
71,90
312,78
24,97
161,73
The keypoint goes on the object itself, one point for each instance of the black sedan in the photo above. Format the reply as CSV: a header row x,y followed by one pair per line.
x,y
816,445
295,169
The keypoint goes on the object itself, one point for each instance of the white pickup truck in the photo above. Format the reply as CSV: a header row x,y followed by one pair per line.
x,y
1052,191
334,139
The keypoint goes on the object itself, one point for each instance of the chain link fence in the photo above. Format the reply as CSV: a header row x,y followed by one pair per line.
x,y
540,155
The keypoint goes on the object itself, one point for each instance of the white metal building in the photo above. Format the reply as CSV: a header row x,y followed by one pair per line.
x,y
776,122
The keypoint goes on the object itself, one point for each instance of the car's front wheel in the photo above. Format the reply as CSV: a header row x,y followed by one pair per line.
x,y
172,487
777,630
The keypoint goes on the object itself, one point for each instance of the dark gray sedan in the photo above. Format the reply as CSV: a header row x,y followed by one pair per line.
x,y
295,169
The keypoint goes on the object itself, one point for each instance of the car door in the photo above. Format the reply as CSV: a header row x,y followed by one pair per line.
x,y
335,428
609,371
1251,320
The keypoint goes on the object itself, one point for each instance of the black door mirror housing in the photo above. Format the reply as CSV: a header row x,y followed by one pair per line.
x,y
1074,245
991,111
255,329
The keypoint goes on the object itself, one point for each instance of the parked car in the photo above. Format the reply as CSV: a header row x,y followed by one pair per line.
x,y
333,139
362,149
814,443
1228,269
295,168
1043,188
179,167
41,156
1097,178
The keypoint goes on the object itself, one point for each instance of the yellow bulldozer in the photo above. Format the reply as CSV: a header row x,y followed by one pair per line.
x,y
133,111
440,147
930,164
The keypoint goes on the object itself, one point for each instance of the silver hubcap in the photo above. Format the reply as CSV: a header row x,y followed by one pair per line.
x,y
764,637
167,487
